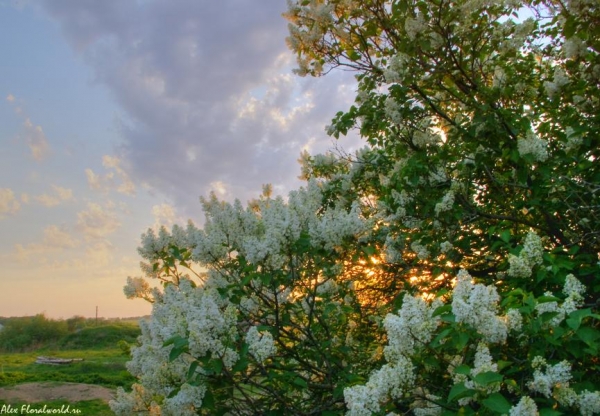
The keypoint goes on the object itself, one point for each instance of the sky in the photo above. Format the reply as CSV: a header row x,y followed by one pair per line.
x,y
117,115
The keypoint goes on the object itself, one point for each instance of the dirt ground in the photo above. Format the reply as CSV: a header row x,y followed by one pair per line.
x,y
45,391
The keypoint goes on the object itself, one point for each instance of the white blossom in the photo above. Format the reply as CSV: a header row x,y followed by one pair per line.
x,y
411,328
420,250
589,403
525,407
415,27
260,344
534,146
476,305
546,377
446,203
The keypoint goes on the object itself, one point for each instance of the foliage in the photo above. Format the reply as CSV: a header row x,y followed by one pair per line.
x,y
30,332
105,336
448,267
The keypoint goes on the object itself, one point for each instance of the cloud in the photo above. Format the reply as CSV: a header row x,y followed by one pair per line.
x,y
164,215
106,183
97,222
36,140
60,195
55,236
207,91
33,136
8,203
55,239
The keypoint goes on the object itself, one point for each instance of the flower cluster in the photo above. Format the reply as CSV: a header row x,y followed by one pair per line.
x,y
534,146
574,290
260,344
529,257
476,305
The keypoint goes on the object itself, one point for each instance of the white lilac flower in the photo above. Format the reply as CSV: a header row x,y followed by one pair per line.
x,y
446,203
446,246
525,407
420,250
574,290
137,287
530,256
360,401
518,267
589,403
186,402
415,27
534,146
573,287
573,139
476,305
554,87
390,381
532,249
412,327
546,377
396,70
260,344
552,306
514,320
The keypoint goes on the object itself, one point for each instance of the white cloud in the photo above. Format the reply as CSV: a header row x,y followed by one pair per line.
x,y
8,203
10,98
219,188
55,236
36,140
207,91
97,222
60,195
108,182
164,215
56,239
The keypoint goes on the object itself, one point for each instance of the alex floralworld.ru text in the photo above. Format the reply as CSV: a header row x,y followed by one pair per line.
x,y
27,409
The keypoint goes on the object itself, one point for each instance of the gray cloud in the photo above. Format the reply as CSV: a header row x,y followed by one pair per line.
x,y
207,91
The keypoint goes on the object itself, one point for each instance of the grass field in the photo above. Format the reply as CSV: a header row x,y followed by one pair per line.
x,y
102,349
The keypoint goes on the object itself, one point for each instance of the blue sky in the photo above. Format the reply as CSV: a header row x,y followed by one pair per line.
x,y
117,115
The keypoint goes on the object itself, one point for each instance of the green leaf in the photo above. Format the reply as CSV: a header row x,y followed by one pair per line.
x,y
460,340
176,352
547,299
353,55
505,236
549,412
497,403
192,369
588,335
459,391
265,278
299,381
487,378
462,369
441,309
503,364
208,401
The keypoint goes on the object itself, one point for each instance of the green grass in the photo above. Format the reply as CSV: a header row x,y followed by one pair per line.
x,y
85,407
102,350
105,367
105,336
99,346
